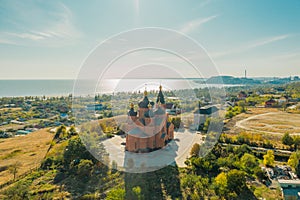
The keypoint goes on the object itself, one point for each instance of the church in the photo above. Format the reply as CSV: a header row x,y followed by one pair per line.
x,y
148,128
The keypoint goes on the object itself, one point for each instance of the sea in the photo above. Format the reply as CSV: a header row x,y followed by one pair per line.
x,y
15,88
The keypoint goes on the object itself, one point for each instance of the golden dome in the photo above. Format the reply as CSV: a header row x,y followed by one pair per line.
x,y
145,93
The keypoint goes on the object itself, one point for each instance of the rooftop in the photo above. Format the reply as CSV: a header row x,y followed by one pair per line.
x,y
206,110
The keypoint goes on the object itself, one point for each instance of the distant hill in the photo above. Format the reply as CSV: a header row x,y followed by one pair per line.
x,y
231,80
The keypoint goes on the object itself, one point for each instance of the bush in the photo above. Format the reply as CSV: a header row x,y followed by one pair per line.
x,y
84,169
116,194
287,139
269,158
47,163
249,163
259,174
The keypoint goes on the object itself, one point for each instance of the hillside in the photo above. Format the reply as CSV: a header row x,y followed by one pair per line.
x,y
24,152
69,171
231,80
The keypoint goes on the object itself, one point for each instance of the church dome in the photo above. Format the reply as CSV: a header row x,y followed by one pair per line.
x,y
144,103
131,111
160,96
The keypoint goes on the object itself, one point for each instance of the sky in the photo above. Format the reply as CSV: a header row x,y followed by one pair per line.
x,y
51,39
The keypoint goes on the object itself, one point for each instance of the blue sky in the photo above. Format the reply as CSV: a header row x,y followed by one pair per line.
x,y
50,39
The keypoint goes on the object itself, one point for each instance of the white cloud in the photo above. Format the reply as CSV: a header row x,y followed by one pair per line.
x,y
192,25
268,41
57,28
252,45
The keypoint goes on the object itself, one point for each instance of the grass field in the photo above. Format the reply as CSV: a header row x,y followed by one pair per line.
x,y
273,122
28,150
264,124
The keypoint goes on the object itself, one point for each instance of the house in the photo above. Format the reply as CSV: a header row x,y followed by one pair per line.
x,y
12,105
16,122
279,90
172,109
202,113
64,115
283,99
270,103
242,95
148,128
228,104
94,107
290,189
22,132
5,135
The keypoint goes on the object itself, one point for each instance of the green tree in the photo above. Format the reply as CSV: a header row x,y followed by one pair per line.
x,y
297,142
47,163
220,185
72,130
229,114
137,192
75,151
242,107
269,158
84,169
236,181
176,121
61,132
287,139
241,150
195,187
294,159
260,174
249,162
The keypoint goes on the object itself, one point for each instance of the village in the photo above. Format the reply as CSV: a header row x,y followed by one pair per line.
x,y
244,114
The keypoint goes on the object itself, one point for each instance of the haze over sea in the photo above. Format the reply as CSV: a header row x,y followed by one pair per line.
x,y
15,88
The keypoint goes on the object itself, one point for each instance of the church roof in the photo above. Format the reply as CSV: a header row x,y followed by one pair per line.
x,y
207,110
160,111
132,112
137,132
158,121
149,113
144,103
160,96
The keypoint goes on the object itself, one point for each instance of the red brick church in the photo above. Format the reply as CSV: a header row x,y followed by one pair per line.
x,y
148,128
